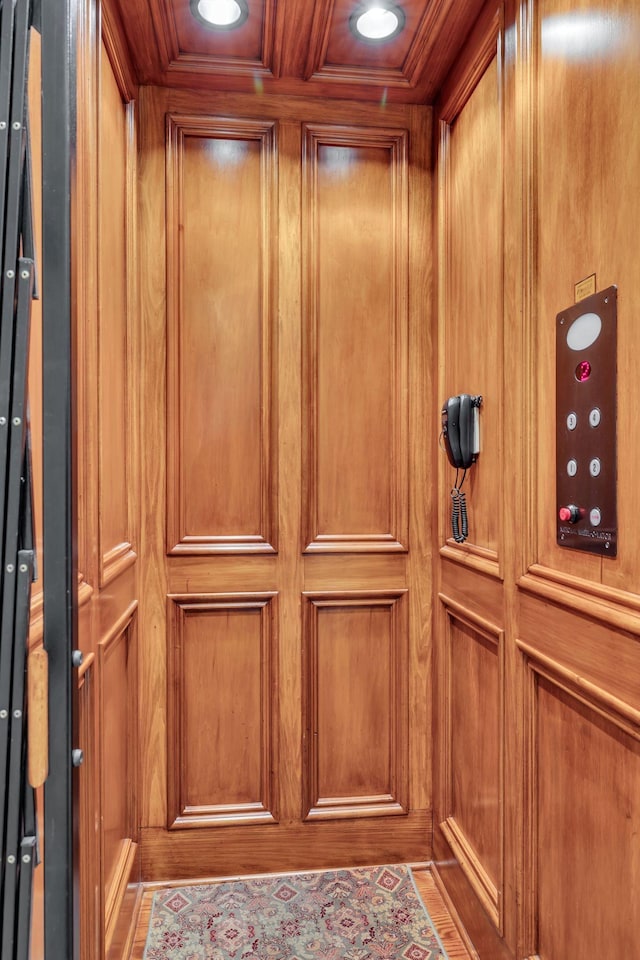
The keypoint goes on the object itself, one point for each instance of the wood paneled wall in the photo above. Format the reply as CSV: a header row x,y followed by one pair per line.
x,y
105,278
537,656
285,600
268,343
107,480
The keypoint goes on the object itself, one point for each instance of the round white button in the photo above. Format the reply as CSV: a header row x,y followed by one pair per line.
x,y
594,467
572,421
595,517
572,467
594,417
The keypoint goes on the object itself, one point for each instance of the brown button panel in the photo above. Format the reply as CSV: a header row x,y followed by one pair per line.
x,y
586,343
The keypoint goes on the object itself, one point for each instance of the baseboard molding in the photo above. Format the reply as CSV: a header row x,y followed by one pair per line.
x,y
120,900
464,903
453,913
471,866
285,847
127,924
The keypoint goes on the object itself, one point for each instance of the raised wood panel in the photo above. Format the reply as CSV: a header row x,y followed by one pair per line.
x,y
117,685
222,710
248,48
336,55
470,244
114,199
584,847
585,193
221,240
355,682
473,751
355,211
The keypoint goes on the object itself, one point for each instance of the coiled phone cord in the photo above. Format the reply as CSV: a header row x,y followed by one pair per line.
x,y
459,517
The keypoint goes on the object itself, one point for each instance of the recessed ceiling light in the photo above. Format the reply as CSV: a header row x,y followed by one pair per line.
x,y
220,14
378,21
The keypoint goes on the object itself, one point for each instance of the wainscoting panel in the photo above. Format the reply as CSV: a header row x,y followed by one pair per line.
x,y
474,730
356,705
355,210
117,678
222,240
584,795
222,710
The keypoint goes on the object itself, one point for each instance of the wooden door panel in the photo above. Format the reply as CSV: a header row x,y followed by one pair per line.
x,y
221,234
222,711
356,687
355,276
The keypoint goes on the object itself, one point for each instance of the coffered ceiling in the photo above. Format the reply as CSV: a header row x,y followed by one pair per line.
x,y
295,47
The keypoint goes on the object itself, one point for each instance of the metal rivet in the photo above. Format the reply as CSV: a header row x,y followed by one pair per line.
x,y
23,568
606,299
17,714
25,274
17,421
3,421
77,658
10,568
10,274
26,858
77,757
11,858
3,714
3,124
17,125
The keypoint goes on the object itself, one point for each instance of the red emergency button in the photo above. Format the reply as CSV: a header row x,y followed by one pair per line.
x,y
570,513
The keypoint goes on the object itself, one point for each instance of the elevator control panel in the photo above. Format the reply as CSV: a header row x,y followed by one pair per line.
x,y
586,509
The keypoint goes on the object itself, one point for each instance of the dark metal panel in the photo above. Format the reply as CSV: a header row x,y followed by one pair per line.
x,y
586,449
58,22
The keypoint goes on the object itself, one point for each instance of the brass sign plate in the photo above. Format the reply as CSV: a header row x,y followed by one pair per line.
x,y
585,288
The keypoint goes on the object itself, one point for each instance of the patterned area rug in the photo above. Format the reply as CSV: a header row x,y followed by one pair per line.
x,y
369,913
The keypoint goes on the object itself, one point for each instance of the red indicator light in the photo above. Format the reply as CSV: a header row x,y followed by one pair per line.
x,y
583,371
565,514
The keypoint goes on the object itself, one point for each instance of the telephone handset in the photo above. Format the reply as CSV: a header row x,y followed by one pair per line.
x,y
461,435
460,430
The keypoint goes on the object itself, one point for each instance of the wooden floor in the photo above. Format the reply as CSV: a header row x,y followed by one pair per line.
x,y
454,942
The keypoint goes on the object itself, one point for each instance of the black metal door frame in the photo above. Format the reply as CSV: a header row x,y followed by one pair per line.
x,y
58,20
